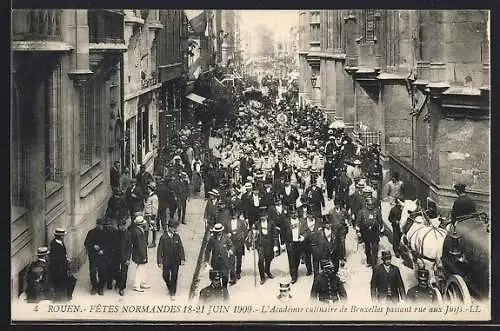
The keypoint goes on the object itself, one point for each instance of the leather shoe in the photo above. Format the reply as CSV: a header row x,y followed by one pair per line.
x,y
294,280
238,276
309,273
100,292
93,291
262,281
110,286
121,292
270,275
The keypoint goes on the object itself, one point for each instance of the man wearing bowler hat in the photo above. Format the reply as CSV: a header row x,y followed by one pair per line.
x,y
170,255
267,243
327,286
220,252
37,278
94,244
62,283
123,254
386,283
422,292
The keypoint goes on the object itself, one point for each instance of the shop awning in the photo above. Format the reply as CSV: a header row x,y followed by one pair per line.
x,y
195,98
197,20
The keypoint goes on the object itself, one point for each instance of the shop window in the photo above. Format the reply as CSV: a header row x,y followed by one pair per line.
x,y
90,124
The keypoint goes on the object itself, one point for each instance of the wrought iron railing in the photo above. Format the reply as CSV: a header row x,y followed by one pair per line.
x,y
366,136
36,24
105,26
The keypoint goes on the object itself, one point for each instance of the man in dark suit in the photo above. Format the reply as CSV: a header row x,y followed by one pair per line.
x,y
211,209
144,178
329,176
463,205
291,230
290,194
327,286
117,208
311,226
135,198
170,255
115,175
108,248
267,195
94,244
395,219
338,219
246,166
280,169
315,199
62,283
215,292
325,246
37,278
279,214
220,252
386,282
183,195
266,244
237,230
123,254
370,225
251,202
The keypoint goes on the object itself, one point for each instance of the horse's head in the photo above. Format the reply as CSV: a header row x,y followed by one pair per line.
x,y
409,206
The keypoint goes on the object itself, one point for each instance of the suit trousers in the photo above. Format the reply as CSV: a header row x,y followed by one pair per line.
x,y
140,274
307,254
329,188
97,270
170,274
294,252
121,275
371,252
264,264
181,210
396,238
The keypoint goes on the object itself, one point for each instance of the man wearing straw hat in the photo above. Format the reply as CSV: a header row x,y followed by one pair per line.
x,y
220,252
139,252
59,268
210,215
37,278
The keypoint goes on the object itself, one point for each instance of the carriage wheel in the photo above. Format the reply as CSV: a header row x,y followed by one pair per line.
x,y
439,297
456,290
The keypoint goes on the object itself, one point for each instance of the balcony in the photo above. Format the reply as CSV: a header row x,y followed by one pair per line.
x,y
106,30
37,30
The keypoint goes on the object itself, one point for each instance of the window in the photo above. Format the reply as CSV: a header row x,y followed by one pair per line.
x,y
315,33
369,25
19,158
145,129
90,124
53,129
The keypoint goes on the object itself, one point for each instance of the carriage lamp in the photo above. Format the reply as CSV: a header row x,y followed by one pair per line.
x,y
454,249
313,79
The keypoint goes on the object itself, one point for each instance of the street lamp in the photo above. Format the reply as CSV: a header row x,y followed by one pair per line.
x,y
313,79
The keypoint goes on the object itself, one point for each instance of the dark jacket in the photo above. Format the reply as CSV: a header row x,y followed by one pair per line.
x,y
329,170
211,294
210,213
395,214
338,222
97,237
170,250
462,206
314,197
237,235
114,177
123,246
290,199
417,294
277,173
117,208
328,287
135,198
58,265
370,224
139,244
382,281
250,211
266,242
217,252
38,285
324,249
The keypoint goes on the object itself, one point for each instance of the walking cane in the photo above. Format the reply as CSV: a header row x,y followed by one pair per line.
x,y
254,257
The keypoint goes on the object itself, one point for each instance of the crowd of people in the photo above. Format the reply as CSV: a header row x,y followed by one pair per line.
x,y
267,182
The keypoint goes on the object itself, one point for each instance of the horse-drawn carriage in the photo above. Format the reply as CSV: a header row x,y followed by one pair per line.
x,y
456,254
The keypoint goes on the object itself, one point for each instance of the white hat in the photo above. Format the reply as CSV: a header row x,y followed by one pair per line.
x,y
357,162
218,227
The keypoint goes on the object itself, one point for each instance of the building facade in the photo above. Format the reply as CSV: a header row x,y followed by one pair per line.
x,y
66,126
141,88
414,81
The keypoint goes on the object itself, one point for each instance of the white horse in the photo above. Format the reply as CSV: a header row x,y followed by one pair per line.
x,y
422,236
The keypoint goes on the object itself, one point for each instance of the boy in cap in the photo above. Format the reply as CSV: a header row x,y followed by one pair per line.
x,y
386,282
37,278
422,292
215,292
327,286
170,255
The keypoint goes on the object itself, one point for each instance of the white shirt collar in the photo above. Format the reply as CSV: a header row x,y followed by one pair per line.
x,y
59,241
